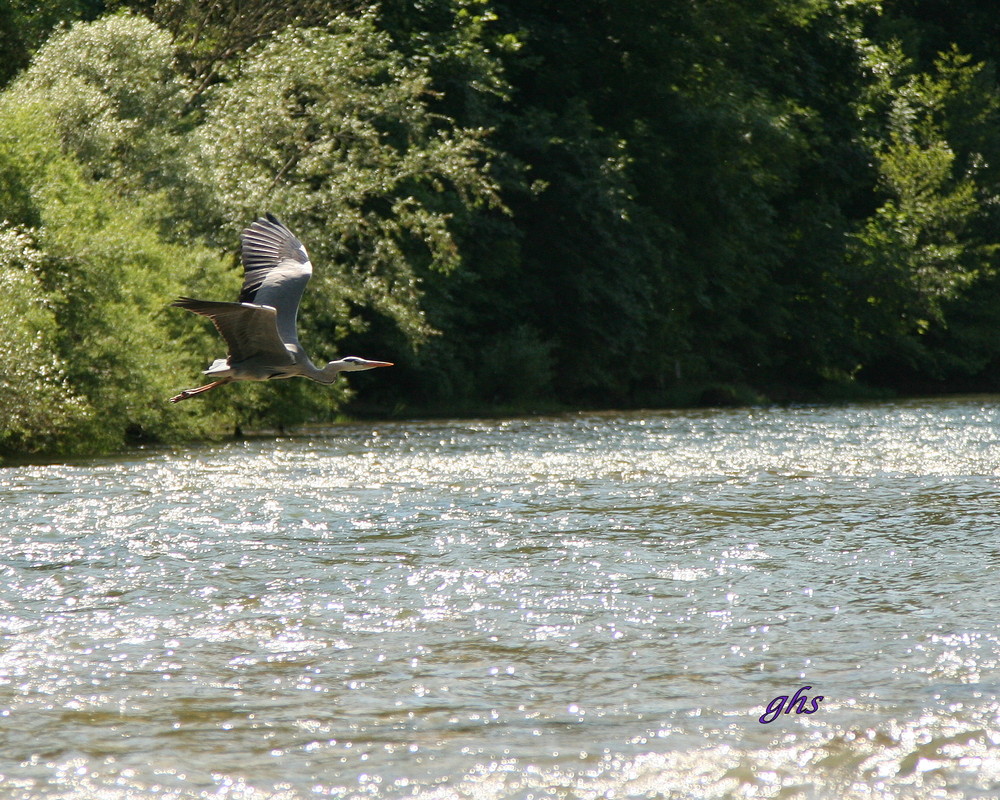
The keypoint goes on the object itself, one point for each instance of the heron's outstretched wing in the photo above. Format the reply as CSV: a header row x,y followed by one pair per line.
x,y
276,271
250,331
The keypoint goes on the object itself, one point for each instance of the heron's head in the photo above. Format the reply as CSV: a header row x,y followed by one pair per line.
x,y
355,364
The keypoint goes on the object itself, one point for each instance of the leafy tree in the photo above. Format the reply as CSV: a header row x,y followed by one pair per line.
x,y
921,247
112,94
209,37
552,298
719,147
330,126
37,404
94,280
25,24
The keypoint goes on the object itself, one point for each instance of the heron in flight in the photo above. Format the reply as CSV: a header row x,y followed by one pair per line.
x,y
260,329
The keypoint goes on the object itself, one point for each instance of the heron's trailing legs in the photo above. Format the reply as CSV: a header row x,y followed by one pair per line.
x,y
192,392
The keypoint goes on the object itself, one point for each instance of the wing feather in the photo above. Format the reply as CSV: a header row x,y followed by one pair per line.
x,y
276,270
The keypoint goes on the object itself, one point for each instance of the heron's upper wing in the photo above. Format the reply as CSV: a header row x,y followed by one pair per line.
x,y
249,330
276,271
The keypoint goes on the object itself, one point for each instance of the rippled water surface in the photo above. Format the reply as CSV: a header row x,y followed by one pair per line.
x,y
583,606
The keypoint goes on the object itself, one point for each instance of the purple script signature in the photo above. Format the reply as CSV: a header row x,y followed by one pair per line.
x,y
799,699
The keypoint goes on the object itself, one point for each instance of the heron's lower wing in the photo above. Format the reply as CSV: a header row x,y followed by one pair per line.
x,y
250,331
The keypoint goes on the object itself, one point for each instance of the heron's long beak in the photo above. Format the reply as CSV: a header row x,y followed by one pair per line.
x,y
379,364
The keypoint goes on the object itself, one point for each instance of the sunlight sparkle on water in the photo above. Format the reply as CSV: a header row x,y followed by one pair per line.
x,y
584,606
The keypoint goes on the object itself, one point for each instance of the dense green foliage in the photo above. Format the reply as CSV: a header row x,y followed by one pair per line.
x,y
518,201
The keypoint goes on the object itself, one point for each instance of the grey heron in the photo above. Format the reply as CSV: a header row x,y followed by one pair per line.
x,y
260,329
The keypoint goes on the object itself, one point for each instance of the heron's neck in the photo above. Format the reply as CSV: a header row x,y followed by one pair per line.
x,y
327,374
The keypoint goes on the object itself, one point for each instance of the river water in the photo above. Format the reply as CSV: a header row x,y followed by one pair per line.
x,y
581,606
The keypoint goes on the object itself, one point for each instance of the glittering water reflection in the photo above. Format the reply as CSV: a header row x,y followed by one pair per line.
x,y
582,606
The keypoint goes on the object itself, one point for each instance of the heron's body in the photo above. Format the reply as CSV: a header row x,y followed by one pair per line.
x,y
260,329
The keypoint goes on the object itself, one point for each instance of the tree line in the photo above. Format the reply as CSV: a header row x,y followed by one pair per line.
x,y
523,203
